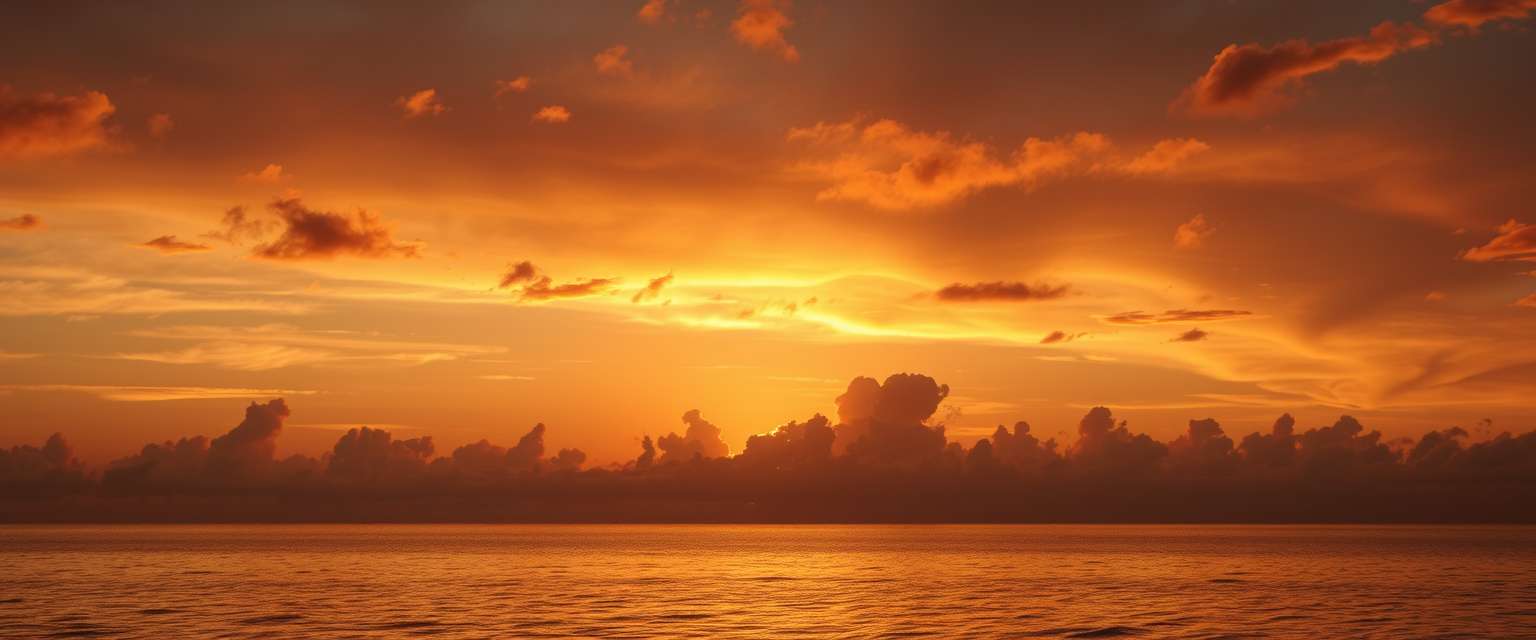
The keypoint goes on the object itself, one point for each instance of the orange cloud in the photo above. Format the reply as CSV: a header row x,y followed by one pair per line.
x,y
1192,234
613,61
1177,315
311,235
1528,301
421,103
890,166
271,174
760,24
1251,79
1516,241
652,12
23,222
523,271
553,114
1473,13
160,125
1000,292
239,225
652,289
538,287
169,245
515,85
47,124
1060,336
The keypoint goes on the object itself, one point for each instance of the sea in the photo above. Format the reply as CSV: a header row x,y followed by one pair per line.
x,y
736,581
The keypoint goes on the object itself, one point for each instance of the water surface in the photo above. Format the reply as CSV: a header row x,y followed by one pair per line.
x,y
453,581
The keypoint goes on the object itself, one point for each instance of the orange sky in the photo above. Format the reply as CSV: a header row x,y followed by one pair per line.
x,y
1177,210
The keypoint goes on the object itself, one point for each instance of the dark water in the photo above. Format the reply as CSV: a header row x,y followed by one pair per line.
x,y
454,581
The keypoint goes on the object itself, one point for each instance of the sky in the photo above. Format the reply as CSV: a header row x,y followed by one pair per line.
x,y
458,220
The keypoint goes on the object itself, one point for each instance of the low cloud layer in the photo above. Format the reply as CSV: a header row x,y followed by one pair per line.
x,y
884,459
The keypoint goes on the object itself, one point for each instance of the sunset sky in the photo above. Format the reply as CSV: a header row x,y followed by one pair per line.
x,y
461,219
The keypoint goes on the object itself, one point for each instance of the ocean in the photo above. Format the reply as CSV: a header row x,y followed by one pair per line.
x,y
857,581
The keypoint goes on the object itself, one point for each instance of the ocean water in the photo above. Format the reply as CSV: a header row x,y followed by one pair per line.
x,y
456,581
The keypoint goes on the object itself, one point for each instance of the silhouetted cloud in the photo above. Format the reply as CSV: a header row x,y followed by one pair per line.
x,y
652,289
1193,335
309,234
169,245
544,289
23,222
1060,336
761,24
1001,292
1516,241
48,124
239,226
883,461
1177,315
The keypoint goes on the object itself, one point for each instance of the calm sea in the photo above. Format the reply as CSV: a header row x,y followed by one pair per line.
x,y
452,581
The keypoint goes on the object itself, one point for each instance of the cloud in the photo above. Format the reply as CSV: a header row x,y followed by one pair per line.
x,y
552,114
524,271
365,456
1060,336
613,61
23,222
537,287
236,355
760,24
701,440
652,12
890,166
1193,335
421,103
250,445
1252,79
1192,234
122,393
1177,315
884,425
1516,241
1473,13
515,85
1528,301
48,124
1001,292
170,245
160,125
652,289
270,174
309,234
273,346
239,226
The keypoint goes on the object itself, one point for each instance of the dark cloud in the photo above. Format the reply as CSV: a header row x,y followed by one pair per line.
x,y
521,272
700,440
309,234
48,124
898,468
537,287
23,222
1249,79
1000,292
652,289
1193,335
1177,315
170,245
1060,336
239,226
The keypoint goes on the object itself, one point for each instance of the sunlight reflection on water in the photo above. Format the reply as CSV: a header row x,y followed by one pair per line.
x,y
461,581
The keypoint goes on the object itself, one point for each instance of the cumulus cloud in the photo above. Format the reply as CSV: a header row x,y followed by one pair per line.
x,y
1516,241
374,457
1192,234
270,174
515,85
1001,292
170,245
309,234
552,114
890,166
23,222
421,103
1177,315
761,24
614,61
885,424
701,440
1251,79
652,289
1193,335
47,124
160,125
